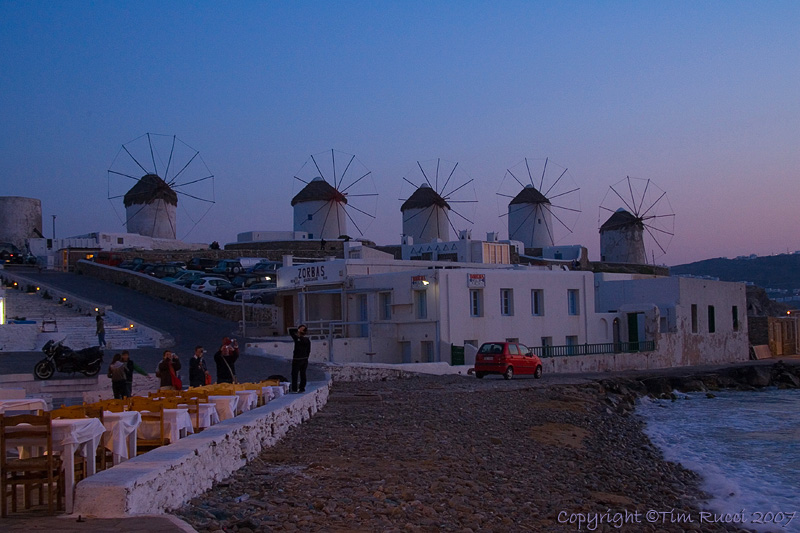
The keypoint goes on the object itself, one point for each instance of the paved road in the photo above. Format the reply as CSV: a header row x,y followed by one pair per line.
x,y
187,326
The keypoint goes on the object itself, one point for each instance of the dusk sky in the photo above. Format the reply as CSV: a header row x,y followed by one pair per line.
x,y
701,98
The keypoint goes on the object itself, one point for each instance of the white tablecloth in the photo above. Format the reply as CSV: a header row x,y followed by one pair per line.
x,y
248,399
120,436
208,415
177,423
226,405
71,435
22,404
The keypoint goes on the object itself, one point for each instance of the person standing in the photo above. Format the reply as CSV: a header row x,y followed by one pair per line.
x,y
101,331
168,367
116,371
197,368
300,355
130,368
225,358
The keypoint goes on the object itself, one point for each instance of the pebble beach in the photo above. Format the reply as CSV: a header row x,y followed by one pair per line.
x,y
451,453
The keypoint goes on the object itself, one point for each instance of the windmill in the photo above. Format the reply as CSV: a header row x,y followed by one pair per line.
x,y
428,213
165,170
544,207
641,222
337,189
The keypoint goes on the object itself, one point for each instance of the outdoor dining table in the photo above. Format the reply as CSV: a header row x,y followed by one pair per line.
x,y
71,435
248,399
208,415
177,423
120,435
226,405
22,404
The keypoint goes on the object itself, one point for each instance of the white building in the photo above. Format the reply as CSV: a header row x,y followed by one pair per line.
x,y
382,310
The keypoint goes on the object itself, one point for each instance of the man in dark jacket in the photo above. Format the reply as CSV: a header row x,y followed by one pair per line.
x,y
302,350
225,358
197,368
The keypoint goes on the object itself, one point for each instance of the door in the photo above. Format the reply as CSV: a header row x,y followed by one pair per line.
x,y
635,330
405,350
525,360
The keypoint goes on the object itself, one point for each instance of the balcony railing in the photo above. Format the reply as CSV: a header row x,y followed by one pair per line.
x,y
594,349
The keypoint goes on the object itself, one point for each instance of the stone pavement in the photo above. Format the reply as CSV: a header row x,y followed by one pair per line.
x,y
70,524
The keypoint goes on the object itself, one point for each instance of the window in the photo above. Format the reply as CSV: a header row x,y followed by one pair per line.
x,y
694,318
475,302
573,304
712,327
735,313
385,300
120,240
537,302
421,298
311,217
512,349
507,302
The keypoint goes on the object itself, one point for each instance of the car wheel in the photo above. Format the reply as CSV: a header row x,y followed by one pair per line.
x,y
509,373
538,373
479,375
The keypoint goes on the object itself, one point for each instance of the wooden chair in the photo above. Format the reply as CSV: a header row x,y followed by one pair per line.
x,y
42,471
114,406
138,403
155,415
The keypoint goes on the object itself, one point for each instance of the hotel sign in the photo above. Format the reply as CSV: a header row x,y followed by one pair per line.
x,y
476,281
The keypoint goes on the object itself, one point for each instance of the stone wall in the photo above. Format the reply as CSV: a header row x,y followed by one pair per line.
x,y
262,314
167,477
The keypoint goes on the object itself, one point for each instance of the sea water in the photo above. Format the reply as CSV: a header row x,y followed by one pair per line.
x,y
746,447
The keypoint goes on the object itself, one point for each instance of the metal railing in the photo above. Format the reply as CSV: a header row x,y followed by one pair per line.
x,y
594,349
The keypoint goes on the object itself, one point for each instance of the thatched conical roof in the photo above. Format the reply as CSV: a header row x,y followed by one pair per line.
x,y
620,219
149,189
529,195
424,197
319,190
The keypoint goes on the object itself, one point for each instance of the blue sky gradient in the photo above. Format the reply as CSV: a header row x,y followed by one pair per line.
x,y
699,97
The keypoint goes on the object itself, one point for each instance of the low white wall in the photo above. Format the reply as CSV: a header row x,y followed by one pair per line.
x,y
166,478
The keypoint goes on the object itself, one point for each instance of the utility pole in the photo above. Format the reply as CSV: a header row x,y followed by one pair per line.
x,y
54,227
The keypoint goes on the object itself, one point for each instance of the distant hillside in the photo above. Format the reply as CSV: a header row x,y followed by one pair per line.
x,y
770,272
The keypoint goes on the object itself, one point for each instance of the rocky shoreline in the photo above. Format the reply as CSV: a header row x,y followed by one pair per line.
x,y
452,453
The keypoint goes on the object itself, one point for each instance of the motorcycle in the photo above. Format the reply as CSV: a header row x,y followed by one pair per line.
x,y
64,359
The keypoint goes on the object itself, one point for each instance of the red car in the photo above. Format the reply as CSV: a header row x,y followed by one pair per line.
x,y
506,358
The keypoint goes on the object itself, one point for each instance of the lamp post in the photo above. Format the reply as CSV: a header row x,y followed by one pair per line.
x,y
54,227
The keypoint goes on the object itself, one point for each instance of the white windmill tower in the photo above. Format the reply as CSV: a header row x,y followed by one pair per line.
x,y
546,208
324,206
150,208
645,224
164,169
427,212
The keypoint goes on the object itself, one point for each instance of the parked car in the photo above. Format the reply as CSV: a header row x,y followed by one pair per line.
x,y
228,267
226,291
246,280
186,277
265,267
258,293
9,253
208,285
130,264
161,271
507,359
201,263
